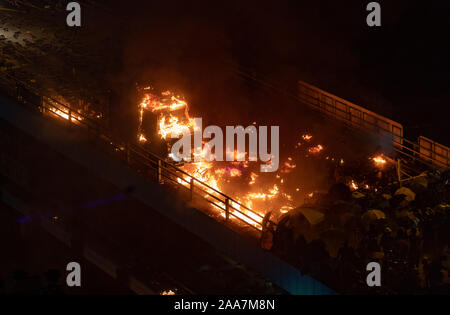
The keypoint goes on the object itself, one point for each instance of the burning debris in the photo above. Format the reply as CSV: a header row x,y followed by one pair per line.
x,y
167,107
236,178
379,160
316,149
277,193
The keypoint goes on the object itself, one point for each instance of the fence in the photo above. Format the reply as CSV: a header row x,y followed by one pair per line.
x,y
350,113
135,155
435,152
426,151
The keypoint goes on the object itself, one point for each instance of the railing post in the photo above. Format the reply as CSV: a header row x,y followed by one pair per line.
x,y
399,172
227,209
159,177
192,188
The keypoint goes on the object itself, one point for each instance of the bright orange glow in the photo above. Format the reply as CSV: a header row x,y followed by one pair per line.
x,y
142,138
379,160
316,149
256,192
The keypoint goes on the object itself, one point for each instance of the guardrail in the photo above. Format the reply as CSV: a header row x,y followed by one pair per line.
x,y
352,114
425,151
135,155
435,152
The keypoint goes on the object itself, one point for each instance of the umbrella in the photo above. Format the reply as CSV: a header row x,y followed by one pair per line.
x,y
312,215
373,215
408,193
334,239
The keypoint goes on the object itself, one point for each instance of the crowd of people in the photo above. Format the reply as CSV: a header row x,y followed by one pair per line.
x,y
405,228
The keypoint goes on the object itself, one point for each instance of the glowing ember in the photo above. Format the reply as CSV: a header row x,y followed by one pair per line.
x,y
286,209
315,149
379,160
142,138
234,172
253,177
170,292
353,185
290,165
306,137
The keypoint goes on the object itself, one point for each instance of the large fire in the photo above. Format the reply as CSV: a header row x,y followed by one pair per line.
x,y
250,194
166,107
236,179
253,194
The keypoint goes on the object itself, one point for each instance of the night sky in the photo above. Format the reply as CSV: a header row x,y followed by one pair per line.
x,y
399,69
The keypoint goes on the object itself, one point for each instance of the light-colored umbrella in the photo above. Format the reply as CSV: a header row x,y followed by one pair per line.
x,y
372,215
312,215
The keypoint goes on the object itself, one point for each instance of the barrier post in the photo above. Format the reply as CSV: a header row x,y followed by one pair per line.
x,y
192,188
227,209
159,172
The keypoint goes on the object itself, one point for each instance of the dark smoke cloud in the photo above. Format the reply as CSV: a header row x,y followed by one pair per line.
x,y
182,45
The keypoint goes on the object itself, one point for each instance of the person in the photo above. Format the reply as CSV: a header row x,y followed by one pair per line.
x,y
386,239
414,250
426,265
319,259
346,260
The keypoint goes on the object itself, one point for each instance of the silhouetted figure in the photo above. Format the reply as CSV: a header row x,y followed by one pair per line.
x,y
426,272
339,191
346,266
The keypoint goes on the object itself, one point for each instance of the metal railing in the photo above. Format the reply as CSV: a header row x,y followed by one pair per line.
x,y
425,151
352,114
435,152
135,155
165,171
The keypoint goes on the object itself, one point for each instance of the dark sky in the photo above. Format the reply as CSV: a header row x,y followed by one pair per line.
x,y
400,69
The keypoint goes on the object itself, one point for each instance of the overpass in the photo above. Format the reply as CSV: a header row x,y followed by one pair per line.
x,y
129,168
